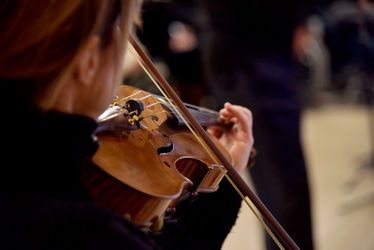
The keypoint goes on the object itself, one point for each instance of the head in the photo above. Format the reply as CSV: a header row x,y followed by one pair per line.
x,y
65,55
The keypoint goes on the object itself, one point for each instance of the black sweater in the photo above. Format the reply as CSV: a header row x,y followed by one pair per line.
x,y
44,206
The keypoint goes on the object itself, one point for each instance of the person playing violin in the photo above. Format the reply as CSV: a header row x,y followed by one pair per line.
x,y
60,66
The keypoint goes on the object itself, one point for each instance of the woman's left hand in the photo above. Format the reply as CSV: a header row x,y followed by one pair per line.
x,y
238,140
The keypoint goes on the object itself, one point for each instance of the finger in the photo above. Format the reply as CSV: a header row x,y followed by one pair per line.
x,y
225,113
229,107
214,131
242,114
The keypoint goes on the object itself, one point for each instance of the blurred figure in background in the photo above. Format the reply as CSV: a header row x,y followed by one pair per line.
x,y
250,50
169,32
349,29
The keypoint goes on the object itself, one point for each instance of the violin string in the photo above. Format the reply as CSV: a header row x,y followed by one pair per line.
x,y
209,151
144,97
140,99
130,96
116,102
163,111
153,104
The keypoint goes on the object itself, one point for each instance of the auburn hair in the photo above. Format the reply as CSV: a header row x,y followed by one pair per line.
x,y
40,38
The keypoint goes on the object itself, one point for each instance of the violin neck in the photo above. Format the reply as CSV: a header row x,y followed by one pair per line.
x,y
206,117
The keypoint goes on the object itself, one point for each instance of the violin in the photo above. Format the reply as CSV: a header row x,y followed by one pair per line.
x,y
145,131
148,158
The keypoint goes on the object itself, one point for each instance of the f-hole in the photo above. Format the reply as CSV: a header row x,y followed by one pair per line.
x,y
193,169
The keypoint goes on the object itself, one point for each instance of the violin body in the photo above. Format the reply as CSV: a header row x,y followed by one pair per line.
x,y
144,162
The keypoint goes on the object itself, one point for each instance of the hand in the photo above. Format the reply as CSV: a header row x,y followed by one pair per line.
x,y
238,140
